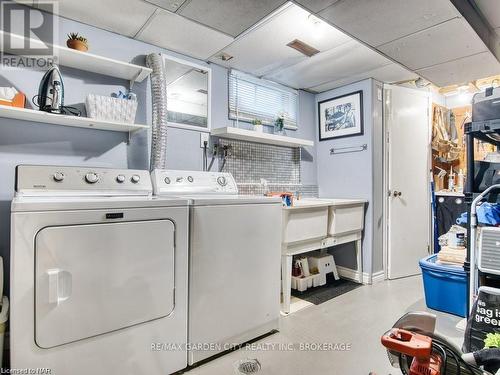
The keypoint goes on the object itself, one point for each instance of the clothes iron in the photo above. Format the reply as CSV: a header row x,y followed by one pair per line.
x,y
51,91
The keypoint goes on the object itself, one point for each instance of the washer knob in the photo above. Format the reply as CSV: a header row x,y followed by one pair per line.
x,y
91,177
167,180
58,176
190,178
120,178
135,178
221,180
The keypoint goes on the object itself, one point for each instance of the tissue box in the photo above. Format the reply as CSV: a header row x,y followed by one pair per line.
x,y
19,100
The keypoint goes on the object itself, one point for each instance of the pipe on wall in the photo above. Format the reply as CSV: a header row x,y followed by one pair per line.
x,y
158,160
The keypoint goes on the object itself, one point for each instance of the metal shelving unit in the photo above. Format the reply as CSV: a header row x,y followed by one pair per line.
x,y
485,131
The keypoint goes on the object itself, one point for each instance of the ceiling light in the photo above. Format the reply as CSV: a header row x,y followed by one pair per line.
x,y
314,20
421,83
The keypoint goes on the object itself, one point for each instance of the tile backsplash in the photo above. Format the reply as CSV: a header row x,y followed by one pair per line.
x,y
250,163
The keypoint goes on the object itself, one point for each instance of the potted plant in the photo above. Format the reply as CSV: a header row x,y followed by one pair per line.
x,y
77,42
279,124
257,126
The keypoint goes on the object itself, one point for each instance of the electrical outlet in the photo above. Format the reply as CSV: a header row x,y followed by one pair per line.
x,y
204,137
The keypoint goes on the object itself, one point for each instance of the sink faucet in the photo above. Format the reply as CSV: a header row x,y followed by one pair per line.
x,y
264,184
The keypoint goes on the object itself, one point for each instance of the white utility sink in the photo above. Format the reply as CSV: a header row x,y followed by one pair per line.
x,y
313,218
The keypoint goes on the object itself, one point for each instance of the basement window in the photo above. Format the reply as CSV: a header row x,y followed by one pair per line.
x,y
251,98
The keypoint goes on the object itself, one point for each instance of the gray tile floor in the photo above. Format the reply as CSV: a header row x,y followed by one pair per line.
x,y
357,318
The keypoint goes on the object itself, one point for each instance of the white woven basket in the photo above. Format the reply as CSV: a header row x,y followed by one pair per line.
x,y
107,108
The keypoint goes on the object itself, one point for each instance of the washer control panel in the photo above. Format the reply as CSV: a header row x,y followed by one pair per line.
x,y
192,182
62,180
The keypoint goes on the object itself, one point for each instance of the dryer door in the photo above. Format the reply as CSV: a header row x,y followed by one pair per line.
x,y
95,278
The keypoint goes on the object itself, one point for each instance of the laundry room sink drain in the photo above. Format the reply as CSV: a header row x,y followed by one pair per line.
x,y
247,366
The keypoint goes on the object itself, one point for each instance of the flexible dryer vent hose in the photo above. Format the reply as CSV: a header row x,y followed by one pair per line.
x,y
155,62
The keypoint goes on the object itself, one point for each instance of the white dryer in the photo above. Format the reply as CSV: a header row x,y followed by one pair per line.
x,y
98,273
234,260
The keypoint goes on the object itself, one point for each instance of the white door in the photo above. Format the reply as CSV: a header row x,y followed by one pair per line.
x,y
406,115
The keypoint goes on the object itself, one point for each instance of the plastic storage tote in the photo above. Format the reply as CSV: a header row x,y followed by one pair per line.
x,y
445,286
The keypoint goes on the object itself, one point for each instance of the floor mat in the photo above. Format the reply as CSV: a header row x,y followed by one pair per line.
x,y
333,288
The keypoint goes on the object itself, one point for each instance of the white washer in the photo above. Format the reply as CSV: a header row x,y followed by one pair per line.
x,y
98,273
234,260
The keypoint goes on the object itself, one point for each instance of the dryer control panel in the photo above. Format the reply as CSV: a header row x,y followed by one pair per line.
x,y
61,180
172,182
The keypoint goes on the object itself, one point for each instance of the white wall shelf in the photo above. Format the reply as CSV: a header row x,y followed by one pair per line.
x,y
85,60
253,136
65,120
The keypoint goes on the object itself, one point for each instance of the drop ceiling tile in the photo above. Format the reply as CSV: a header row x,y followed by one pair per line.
x,y
381,21
171,31
345,61
491,11
316,5
388,74
124,17
462,70
258,53
447,41
229,16
170,5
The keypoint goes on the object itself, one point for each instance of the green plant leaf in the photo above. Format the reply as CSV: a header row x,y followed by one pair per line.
x,y
492,340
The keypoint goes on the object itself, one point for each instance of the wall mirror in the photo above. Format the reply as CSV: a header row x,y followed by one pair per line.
x,y
188,94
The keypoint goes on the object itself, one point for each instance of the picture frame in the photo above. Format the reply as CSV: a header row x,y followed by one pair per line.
x,y
341,116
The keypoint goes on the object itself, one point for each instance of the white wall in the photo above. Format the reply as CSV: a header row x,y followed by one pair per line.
x,y
24,142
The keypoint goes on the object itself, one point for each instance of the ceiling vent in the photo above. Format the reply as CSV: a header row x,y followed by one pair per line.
x,y
303,48
224,56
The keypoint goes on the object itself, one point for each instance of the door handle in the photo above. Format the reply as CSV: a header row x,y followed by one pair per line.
x,y
396,193
60,285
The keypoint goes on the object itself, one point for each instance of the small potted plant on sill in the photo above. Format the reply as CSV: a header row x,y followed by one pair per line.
x,y
77,42
279,124
257,126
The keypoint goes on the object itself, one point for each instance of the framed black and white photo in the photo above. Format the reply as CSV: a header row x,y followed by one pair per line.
x,y
341,116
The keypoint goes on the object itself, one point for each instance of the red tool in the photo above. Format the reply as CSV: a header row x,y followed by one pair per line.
x,y
425,360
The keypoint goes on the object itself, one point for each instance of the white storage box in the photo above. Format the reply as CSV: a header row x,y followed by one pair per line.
x,y
303,283
346,219
107,108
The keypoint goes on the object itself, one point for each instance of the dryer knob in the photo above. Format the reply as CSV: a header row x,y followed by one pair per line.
x,y
135,178
91,177
120,178
58,176
190,178
167,180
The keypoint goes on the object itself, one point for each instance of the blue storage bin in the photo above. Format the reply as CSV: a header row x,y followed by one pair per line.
x,y
445,286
